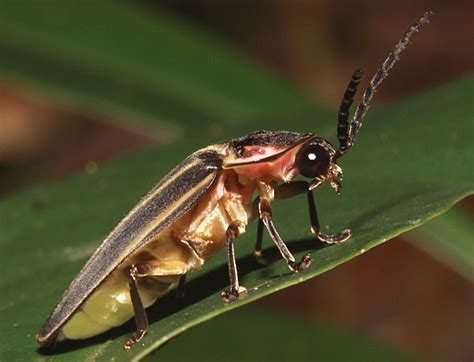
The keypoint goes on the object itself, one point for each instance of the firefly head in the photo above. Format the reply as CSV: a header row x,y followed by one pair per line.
x,y
316,160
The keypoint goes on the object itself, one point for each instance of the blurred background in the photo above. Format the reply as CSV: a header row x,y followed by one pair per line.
x,y
315,45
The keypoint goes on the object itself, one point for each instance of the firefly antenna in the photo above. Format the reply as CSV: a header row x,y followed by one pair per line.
x,y
343,116
348,132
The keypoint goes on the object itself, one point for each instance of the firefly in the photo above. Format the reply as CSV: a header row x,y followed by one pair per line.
x,y
202,205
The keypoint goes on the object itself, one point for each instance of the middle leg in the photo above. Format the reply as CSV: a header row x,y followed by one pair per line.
x,y
266,217
236,289
258,244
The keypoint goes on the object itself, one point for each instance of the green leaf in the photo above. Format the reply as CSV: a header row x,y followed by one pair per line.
x,y
407,167
449,239
257,335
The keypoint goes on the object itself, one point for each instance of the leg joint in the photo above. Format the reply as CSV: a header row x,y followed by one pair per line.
x,y
265,209
233,231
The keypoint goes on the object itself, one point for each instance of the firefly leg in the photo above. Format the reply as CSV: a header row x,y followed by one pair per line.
x,y
297,187
181,287
232,294
141,319
316,230
258,245
266,217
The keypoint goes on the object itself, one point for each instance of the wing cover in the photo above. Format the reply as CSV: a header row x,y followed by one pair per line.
x,y
173,196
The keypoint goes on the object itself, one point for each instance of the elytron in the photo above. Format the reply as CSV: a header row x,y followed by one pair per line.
x,y
203,204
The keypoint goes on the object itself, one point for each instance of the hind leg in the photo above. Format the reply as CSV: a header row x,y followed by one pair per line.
x,y
141,318
159,286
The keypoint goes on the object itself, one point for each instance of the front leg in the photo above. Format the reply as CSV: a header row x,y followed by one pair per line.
x,y
298,187
316,230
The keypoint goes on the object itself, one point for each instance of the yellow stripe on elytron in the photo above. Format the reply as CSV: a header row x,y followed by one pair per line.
x,y
131,247
170,180
158,190
162,216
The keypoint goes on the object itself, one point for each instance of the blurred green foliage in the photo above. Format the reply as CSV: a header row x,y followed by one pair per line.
x,y
408,166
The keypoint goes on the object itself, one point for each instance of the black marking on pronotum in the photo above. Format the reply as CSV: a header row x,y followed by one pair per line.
x,y
201,205
279,139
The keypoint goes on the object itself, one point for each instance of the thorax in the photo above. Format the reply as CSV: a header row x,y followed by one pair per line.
x,y
204,227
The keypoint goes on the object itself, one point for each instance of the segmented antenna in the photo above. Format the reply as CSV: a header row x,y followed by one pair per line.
x,y
343,115
346,141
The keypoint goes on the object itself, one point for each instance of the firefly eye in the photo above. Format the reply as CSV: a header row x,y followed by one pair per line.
x,y
312,160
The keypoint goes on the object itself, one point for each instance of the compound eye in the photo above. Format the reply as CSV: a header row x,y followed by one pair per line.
x,y
312,160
